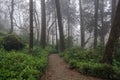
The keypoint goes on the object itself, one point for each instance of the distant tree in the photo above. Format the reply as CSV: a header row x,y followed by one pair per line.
x,y
113,38
87,20
43,25
59,16
69,16
37,22
70,19
31,27
104,21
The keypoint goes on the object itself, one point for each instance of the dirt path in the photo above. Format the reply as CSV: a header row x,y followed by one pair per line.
x,y
59,70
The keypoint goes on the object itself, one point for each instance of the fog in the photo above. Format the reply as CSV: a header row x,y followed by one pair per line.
x,y
21,18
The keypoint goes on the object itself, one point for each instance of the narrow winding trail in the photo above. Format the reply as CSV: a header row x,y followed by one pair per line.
x,y
59,70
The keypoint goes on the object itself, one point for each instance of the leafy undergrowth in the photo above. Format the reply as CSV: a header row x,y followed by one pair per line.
x,y
87,61
20,65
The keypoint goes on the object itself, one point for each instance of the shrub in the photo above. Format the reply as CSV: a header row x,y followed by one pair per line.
x,y
72,64
116,76
12,42
2,33
81,55
20,66
103,71
87,61
96,69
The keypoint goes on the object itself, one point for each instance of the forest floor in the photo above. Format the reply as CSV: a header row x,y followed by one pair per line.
x,y
58,69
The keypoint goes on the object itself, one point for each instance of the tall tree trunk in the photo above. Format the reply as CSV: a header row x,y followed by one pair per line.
x,y
59,16
96,23
31,26
11,16
36,22
102,21
36,26
113,38
68,43
56,35
53,36
56,25
71,35
43,30
81,24
68,23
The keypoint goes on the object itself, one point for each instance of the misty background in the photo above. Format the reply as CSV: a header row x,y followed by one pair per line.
x,y
70,14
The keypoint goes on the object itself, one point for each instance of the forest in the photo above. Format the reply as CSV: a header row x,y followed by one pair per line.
x,y
59,39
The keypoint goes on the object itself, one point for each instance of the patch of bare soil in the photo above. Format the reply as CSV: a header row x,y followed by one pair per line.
x,y
59,70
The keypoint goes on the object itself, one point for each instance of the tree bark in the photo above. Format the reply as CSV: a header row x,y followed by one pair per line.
x,y
11,16
36,26
81,24
56,28
59,16
102,36
53,37
113,9
69,41
96,23
113,38
31,27
56,34
68,44
43,29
